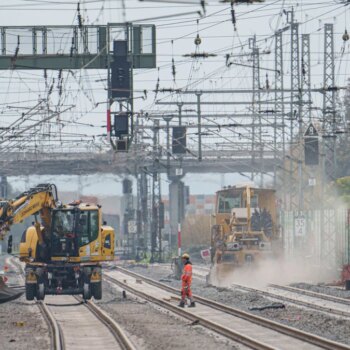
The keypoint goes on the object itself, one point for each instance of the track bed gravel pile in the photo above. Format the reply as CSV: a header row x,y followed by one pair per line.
x,y
334,328
152,328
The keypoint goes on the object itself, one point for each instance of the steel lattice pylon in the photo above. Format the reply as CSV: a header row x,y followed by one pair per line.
x,y
295,77
256,105
306,78
156,198
279,133
306,119
328,229
329,109
295,119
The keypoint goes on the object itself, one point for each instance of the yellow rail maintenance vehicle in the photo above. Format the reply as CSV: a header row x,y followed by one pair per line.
x,y
64,251
245,227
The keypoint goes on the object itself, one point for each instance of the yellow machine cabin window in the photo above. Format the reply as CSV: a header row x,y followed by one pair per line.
x,y
228,201
64,239
87,227
254,202
107,243
73,229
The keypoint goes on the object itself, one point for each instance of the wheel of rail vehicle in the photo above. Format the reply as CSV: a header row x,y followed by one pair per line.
x,y
40,293
30,291
96,290
87,291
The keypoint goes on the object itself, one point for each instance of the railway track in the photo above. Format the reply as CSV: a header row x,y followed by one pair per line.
x,y
79,325
314,301
75,324
325,303
250,330
319,295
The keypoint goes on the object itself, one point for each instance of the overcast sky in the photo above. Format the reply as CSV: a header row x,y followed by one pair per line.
x,y
175,38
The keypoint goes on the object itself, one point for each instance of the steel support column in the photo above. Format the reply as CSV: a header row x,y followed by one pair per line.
x,y
256,102
329,107
155,241
309,171
328,144
295,111
279,110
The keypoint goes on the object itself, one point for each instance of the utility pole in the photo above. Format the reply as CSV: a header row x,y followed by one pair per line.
x,y
156,196
329,106
306,77
167,120
179,105
306,105
279,108
328,147
199,126
295,114
256,102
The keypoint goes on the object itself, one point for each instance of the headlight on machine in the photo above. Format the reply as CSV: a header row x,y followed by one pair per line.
x,y
233,246
264,245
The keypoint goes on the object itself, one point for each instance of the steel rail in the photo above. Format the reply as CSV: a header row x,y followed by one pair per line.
x,y
312,294
57,334
294,301
293,332
57,338
55,330
113,326
226,332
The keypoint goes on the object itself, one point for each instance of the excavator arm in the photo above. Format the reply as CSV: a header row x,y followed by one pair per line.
x,y
40,199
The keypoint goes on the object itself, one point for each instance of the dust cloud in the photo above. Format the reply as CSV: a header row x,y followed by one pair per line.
x,y
278,271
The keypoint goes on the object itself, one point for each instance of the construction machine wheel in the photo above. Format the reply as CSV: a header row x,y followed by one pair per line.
x,y
40,292
30,291
96,290
87,291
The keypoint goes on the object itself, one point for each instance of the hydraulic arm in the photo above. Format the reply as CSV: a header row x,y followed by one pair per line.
x,y
38,200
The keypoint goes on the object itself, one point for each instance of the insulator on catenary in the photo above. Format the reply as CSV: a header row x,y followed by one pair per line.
x,y
80,20
267,82
173,69
233,17
198,40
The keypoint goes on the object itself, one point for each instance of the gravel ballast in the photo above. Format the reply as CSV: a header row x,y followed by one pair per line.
x,y
21,323
151,327
334,328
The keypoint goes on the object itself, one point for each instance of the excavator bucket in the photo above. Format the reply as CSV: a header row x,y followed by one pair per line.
x,y
7,293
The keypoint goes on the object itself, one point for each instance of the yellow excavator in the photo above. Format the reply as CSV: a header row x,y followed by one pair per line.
x,y
63,251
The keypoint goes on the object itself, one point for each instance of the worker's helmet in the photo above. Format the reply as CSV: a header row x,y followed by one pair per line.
x,y
185,256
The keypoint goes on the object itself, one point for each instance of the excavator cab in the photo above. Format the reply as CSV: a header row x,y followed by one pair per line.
x,y
64,237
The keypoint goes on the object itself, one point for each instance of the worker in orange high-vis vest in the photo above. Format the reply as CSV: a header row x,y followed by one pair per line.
x,y
186,278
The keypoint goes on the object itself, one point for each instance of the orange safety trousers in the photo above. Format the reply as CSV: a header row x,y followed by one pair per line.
x,y
186,282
